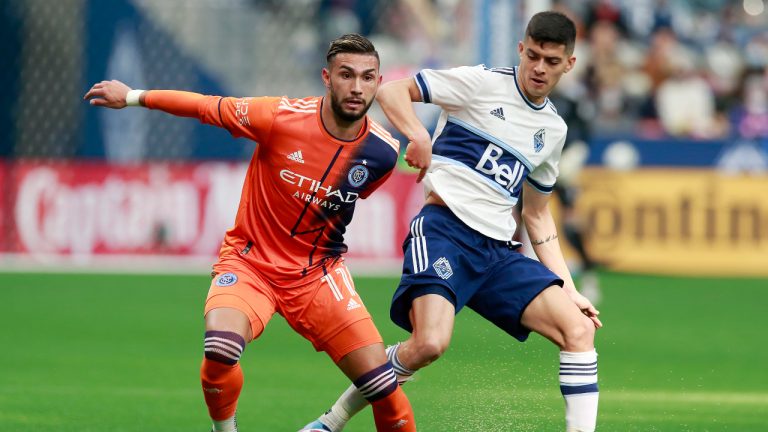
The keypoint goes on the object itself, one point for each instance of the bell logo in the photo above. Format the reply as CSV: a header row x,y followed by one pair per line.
x,y
502,173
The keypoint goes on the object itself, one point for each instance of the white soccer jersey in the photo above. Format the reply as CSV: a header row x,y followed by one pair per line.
x,y
489,138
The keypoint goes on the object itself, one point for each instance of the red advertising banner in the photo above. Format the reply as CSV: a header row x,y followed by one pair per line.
x,y
83,211
169,217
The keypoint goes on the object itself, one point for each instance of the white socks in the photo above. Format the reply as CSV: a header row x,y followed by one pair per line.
x,y
403,373
578,384
228,425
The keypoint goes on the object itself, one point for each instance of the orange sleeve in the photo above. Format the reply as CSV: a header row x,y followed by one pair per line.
x,y
249,117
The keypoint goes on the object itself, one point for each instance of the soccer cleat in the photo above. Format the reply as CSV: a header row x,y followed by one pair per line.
x,y
315,426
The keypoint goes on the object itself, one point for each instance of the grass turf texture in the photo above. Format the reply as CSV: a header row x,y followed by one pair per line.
x,y
121,353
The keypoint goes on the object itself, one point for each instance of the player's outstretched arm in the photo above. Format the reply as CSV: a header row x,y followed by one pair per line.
x,y
395,99
543,234
227,113
110,94
114,94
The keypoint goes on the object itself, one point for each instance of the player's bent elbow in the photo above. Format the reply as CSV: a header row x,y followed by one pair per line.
x,y
531,216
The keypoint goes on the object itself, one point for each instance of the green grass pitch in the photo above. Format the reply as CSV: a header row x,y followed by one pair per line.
x,y
121,353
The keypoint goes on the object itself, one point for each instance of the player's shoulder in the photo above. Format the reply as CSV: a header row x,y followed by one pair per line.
x,y
552,121
377,131
300,105
495,78
551,110
506,71
458,73
502,74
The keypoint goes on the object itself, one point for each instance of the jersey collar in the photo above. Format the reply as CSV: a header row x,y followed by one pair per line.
x,y
360,135
525,98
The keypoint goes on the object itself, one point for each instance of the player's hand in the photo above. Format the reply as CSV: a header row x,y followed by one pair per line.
x,y
418,154
586,307
110,94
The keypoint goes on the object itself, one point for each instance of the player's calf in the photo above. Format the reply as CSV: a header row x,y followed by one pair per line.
x,y
391,409
222,378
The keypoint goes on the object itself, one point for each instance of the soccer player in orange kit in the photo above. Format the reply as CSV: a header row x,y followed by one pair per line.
x,y
315,157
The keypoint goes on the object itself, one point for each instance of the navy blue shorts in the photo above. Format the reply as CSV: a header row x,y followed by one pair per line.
x,y
489,276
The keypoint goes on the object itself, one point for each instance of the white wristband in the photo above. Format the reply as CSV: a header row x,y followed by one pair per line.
x,y
132,99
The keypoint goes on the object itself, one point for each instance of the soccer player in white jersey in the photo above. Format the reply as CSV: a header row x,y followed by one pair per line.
x,y
498,138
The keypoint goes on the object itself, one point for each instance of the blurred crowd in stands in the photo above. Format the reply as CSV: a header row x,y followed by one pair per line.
x,y
645,68
674,69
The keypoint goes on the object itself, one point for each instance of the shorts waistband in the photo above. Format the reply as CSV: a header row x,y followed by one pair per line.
x,y
509,244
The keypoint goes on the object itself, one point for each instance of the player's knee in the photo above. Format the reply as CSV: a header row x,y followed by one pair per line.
x,y
233,320
429,349
579,337
223,346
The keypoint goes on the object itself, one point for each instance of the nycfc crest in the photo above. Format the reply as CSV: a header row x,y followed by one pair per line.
x,y
358,175
538,140
443,268
227,279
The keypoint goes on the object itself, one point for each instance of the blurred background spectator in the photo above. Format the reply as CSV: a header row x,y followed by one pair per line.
x,y
647,68
674,82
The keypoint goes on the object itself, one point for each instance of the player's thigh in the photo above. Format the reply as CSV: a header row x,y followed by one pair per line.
x,y
512,283
361,360
238,301
555,316
231,320
432,317
329,313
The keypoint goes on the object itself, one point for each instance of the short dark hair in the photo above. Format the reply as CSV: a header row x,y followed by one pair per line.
x,y
351,43
552,27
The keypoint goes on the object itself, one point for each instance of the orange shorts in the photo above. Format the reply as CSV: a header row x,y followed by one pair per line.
x,y
327,311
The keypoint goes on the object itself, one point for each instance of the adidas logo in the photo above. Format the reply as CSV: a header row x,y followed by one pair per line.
x,y
212,390
498,112
296,156
352,304
400,423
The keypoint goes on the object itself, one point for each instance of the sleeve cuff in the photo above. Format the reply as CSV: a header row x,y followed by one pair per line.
x,y
423,88
545,189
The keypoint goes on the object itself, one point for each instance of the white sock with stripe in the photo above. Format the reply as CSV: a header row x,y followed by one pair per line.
x,y
578,384
403,373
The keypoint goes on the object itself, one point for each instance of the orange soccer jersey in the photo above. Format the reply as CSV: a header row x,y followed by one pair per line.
x,y
301,185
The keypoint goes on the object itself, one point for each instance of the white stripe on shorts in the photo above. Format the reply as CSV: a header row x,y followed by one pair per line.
x,y
334,288
419,246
